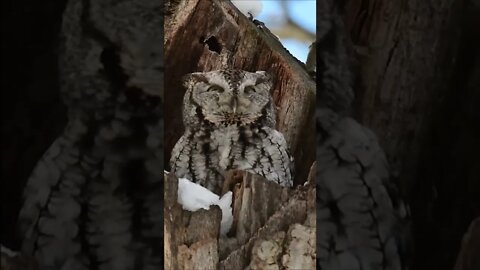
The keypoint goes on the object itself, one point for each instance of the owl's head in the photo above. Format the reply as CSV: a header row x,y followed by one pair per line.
x,y
228,97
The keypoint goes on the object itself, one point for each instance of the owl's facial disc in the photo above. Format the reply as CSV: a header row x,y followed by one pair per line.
x,y
237,106
232,97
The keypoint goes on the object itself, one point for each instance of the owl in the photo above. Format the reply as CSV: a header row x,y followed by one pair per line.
x,y
229,119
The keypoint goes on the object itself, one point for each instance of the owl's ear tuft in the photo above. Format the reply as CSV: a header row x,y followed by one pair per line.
x,y
263,78
262,72
195,77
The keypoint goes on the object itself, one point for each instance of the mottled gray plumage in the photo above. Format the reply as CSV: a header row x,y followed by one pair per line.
x,y
229,119
361,221
94,200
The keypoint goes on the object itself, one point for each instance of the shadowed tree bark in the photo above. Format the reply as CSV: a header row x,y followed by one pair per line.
x,y
33,114
416,85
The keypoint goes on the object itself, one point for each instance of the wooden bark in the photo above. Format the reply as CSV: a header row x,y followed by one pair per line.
x,y
417,82
262,211
403,49
190,238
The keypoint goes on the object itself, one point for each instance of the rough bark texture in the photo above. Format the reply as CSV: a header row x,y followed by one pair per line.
x,y
263,213
403,47
191,238
417,82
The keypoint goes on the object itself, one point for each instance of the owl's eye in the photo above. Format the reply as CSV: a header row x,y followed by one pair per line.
x,y
249,90
215,88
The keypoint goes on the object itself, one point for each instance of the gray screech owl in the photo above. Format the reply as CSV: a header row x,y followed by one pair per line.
x,y
229,119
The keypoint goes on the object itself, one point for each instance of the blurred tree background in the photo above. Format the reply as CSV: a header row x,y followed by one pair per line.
x,y
417,86
416,73
292,21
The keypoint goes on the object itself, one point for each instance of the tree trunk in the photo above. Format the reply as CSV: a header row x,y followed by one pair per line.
x,y
263,213
402,49
417,80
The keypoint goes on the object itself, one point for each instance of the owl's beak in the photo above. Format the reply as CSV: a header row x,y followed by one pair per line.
x,y
234,105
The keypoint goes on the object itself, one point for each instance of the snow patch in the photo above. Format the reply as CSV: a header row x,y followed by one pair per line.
x,y
253,7
193,197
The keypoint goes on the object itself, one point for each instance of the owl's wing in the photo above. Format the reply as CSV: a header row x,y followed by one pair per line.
x,y
180,156
194,157
359,217
48,219
274,161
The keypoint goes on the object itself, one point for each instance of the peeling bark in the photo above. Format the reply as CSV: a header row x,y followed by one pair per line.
x,y
262,209
417,82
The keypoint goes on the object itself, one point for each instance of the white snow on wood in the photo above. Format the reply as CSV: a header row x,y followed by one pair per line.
x,y
253,7
193,197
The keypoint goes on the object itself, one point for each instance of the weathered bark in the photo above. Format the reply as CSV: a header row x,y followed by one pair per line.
x,y
416,86
403,48
191,238
262,211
